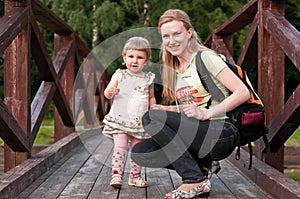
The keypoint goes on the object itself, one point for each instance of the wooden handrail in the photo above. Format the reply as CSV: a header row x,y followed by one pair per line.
x,y
286,121
70,50
11,25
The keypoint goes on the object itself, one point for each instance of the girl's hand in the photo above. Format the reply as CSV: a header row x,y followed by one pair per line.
x,y
191,110
113,91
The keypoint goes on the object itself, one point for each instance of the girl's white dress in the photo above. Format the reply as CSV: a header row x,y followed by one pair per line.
x,y
129,105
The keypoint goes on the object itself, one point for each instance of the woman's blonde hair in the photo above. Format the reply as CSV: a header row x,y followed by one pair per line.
x,y
171,62
137,43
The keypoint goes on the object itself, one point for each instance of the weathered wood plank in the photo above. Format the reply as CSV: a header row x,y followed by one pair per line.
x,y
39,107
35,185
55,184
270,64
10,131
17,86
48,73
11,24
242,18
160,182
64,51
219,189
101,188
292,155
285,122
62,173
85,172
275,183
129,191
81,185
19,178
248,55
284,33
241,187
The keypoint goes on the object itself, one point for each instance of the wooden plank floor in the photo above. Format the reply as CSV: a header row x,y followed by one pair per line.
x,y
85,173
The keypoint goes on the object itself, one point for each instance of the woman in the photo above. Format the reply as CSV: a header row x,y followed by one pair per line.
x,y
189,135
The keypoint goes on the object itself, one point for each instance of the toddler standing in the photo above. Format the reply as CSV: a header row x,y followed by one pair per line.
x,y
132,91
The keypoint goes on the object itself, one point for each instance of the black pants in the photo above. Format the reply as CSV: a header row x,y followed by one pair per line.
x,y
183,144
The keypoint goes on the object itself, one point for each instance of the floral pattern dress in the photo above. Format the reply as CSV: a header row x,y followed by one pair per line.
x,y
129,105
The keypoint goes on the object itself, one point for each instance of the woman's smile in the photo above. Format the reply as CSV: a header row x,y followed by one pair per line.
x,y
175,37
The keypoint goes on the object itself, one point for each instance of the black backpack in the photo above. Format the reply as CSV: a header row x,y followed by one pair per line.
x,y
249,117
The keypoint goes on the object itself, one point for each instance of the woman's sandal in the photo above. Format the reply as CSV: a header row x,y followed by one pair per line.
x,y
137,181
116,181
202,189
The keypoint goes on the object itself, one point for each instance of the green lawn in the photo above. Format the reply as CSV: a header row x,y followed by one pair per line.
x,y
294,140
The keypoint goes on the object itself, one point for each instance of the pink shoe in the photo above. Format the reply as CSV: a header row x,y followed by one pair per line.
x,y
116,181
137,181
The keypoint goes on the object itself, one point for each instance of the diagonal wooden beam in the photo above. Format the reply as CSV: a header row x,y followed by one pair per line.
x,y
221,48
48,72
285,34
47,90
11,24
44,15
39,107
10,131
248,56
238,21
285,122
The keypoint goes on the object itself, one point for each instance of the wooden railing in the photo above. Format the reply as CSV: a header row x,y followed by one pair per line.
x,y
21,39
270,39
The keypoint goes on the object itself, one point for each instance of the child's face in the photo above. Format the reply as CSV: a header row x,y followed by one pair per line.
x,y
135,60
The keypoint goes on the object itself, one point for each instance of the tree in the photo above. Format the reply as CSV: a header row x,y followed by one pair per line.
x,y
97,20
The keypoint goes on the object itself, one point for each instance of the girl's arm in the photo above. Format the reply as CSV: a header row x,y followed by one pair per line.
x,y
111,90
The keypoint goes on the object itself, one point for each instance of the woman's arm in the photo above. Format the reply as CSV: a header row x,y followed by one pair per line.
x,y
152,99
172,108
240,94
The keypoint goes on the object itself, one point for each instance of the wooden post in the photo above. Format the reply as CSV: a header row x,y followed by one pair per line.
x,y
17,84
270,75
67,83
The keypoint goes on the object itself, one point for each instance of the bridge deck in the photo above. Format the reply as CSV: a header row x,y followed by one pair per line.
x,y
84,172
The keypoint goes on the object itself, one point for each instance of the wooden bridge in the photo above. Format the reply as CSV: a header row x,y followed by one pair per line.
x,y
77,164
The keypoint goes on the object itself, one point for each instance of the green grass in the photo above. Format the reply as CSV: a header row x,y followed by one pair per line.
x,y
45,135
294,174
294,140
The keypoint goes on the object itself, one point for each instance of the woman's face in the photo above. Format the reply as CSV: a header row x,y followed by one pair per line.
x,y
175,37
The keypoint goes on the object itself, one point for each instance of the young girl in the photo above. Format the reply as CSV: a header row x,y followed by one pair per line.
x,y
132,91
191,134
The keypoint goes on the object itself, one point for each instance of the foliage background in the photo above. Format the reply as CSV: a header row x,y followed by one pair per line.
x,y
97,20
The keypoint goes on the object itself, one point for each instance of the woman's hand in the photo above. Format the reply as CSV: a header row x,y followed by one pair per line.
x,y
191,110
